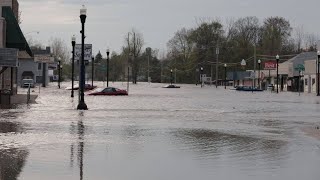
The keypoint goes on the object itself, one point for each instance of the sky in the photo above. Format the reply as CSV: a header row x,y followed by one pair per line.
x,y
109,21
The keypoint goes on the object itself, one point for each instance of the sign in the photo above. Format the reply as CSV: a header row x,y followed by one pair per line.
x,y
52,66
270,65
87,52
299,67
8,57
43,58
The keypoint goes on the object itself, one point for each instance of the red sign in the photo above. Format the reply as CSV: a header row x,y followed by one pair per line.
x,y
270,65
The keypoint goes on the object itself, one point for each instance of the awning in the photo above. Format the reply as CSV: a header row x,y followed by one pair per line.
x,y
14,35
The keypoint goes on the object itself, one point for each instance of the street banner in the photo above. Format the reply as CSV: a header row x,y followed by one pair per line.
x,y
270,65
43,59
8,57
87,52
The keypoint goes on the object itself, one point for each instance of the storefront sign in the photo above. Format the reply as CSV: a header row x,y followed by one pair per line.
x,y
43,58
270,65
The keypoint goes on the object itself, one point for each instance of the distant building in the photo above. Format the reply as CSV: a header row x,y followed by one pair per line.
x,y
37,67
310,76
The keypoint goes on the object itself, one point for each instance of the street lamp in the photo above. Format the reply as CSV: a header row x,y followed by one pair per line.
x,y
225,76
60,75
277,58
92,71
318,74
59,64
243,63
171,76
259,65
201,73
73,43
82,105
108,52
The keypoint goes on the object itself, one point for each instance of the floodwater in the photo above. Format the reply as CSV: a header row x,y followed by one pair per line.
x,y
162,134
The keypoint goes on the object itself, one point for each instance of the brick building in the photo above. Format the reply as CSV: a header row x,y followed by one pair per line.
x,y
12,45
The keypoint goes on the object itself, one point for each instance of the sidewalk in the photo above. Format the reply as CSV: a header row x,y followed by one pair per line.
x,y
22,99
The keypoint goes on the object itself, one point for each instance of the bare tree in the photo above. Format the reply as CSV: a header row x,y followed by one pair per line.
x,y
134,44
59,49
181,45
34,44
299,37
311,41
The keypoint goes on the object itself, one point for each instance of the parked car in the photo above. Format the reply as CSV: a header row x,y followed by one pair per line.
x,y
25,83
270,87
86,87
171,86
109,91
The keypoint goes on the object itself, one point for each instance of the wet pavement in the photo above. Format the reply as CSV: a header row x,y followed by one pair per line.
x,y
157,133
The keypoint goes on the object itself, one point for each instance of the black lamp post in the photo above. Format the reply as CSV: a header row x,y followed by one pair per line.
x,y
108,52
243,64
171,76
201,73
60,75
92,71
259,65
225,76
82,105
73,43
277,58
59,64
318,74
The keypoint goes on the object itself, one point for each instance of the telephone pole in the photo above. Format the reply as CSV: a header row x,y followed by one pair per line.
x,y
217,65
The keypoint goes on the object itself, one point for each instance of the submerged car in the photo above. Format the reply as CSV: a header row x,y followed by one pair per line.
x,y
171,86
247,88
109,91
86,87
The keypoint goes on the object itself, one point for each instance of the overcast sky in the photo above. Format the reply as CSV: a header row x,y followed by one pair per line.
x,y
109,21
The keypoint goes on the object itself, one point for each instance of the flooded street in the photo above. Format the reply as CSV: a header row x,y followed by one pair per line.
x,y
157,134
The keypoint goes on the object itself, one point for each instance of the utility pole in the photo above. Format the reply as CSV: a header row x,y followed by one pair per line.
x,y
217,64
254,68
148,68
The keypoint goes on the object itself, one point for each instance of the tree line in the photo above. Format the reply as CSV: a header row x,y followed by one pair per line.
x,y
201,46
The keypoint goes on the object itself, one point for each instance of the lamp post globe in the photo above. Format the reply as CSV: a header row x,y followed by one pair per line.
x,y
277,59
82,105
108,53
243,63
73,43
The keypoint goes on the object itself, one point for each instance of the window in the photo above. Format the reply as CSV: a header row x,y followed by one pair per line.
x,y
39,66
313,81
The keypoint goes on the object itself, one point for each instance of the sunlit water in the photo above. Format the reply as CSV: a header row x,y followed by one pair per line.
x,y
161,134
